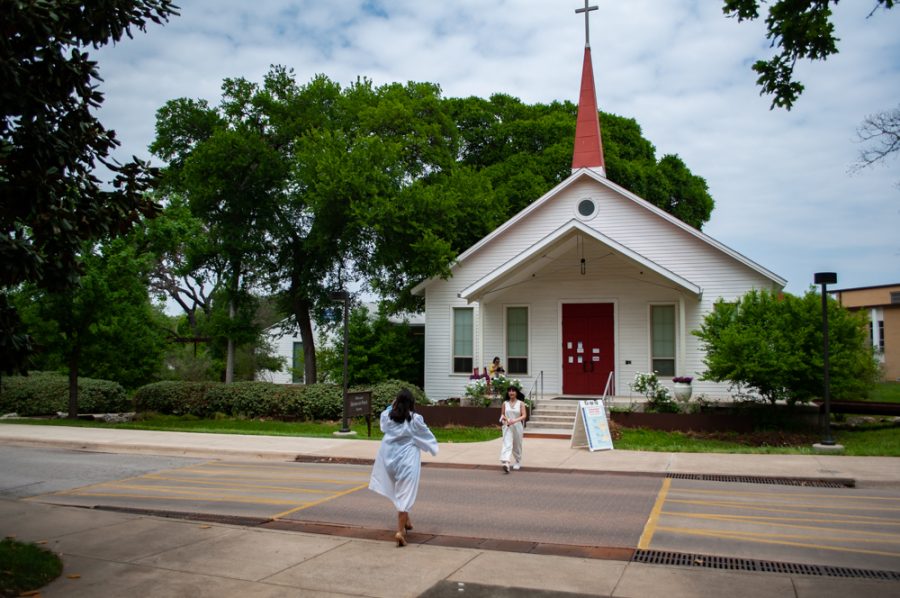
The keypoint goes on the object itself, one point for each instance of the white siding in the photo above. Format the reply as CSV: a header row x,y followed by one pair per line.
x,y
283,344
609,278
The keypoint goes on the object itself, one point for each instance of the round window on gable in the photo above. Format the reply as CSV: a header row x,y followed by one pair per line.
x,y
587,209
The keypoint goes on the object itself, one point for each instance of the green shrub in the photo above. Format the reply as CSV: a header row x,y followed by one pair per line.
x,y
322,402
771,343
384,393
658,398
175,398
261,399
47,393
258,399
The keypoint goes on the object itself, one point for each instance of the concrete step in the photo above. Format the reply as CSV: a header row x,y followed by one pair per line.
x,y
554,409
558,422
554,417
555,420
539,409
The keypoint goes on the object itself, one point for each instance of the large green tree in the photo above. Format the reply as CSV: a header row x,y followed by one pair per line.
x,y
51,201
314,187
185,271
772,344
105,327
798,30
524,150
231,177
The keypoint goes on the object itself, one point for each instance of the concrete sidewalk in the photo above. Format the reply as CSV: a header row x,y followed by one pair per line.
x,y
539,453
118,554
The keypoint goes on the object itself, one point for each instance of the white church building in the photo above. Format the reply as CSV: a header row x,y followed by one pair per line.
x,y
582,289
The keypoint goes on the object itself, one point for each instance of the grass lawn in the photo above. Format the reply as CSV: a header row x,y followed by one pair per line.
x,y
869,441
172,423
25,567
874,440
886,392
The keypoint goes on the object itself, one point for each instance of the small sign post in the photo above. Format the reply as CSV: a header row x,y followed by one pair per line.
x,y
360,403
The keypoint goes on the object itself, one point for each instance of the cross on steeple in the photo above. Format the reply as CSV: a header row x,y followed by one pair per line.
x,y
587,30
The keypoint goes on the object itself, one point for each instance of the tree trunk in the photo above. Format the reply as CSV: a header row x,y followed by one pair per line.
x,y
229,358
301,313
73,385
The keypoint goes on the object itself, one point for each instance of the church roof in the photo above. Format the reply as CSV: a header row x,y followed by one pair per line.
x,y
592,173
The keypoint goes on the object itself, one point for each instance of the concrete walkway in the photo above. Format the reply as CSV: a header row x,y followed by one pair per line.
x,y
118,554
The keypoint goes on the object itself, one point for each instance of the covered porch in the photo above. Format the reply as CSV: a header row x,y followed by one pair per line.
x,y
577,315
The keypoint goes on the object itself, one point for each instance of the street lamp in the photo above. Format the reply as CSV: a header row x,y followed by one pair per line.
x,y
824,279
344,298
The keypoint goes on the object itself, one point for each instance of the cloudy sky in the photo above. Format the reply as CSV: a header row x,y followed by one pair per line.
x,y
780,179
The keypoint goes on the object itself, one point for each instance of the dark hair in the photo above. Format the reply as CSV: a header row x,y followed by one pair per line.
x,y
495,359
519,394
403,407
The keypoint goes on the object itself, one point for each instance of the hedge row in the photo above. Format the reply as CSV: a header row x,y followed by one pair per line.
x,y
47,393
260,399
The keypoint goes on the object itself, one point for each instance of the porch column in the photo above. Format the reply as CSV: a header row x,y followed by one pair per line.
x,y
682,337
479,336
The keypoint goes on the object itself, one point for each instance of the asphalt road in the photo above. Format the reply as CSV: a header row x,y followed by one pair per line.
x,y
34,471
840,527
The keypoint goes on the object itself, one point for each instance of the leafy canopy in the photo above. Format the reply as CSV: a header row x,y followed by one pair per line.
x,y
106,326
51,202
524,150
773,344
798,29
378,350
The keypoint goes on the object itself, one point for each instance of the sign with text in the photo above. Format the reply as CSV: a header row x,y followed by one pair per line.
x,y
591,428
359,403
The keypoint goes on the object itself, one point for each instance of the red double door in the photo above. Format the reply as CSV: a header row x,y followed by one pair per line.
x,y
588,335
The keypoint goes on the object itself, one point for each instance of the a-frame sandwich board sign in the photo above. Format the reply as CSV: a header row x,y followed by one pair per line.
x,y
591,428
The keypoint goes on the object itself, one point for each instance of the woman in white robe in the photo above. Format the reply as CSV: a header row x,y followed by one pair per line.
x,y
398,464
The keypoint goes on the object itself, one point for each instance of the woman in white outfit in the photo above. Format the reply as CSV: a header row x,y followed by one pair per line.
x,y
513,416
398,463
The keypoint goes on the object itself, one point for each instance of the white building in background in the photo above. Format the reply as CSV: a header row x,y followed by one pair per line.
x,y
585,287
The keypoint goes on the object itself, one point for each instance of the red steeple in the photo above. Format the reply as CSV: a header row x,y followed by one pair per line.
x,y
588,144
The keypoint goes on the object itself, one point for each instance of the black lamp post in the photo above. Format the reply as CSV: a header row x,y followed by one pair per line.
x,y
343,297
824,279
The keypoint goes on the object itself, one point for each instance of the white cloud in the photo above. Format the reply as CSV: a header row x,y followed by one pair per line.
x,y
680,68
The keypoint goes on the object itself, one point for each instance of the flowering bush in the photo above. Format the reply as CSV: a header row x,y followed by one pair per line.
x,y
477,392
501,385
658,398
682,379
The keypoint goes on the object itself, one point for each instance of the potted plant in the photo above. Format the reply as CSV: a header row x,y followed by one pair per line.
x,y
683,388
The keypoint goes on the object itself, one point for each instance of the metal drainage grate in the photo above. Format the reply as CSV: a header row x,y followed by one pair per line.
x,y
745,479
681,559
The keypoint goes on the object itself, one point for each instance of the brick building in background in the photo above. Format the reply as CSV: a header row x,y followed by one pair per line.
x,y
882,304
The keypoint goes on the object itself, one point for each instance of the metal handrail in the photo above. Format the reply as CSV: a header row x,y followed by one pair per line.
x,y
610,384
533,391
